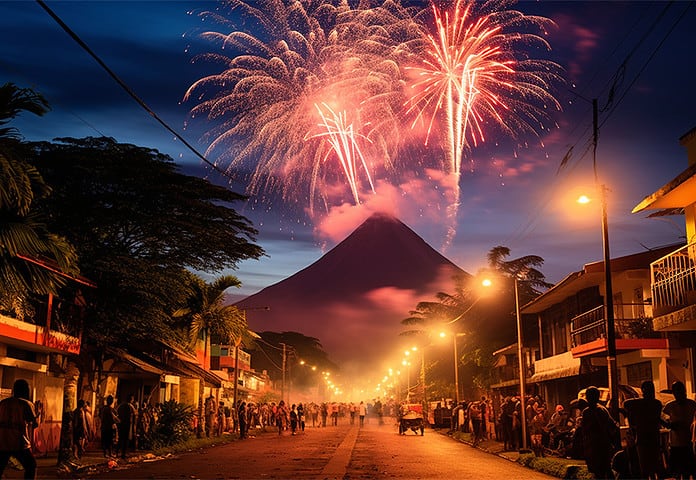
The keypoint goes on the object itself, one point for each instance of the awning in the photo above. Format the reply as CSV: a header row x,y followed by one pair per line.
x,y
557,366
135,361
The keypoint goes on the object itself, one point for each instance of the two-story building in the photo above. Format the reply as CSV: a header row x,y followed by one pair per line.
x,y
673,276
571,331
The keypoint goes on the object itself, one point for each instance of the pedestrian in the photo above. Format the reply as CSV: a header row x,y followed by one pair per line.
x,y
293,419
680,416
536,433
352,411
334,414
483,406
314,412
127,414
324,413
242,418
362,411
89,416
80,428
644,419
475,418
301,417
281,417
599,431
17,421
109,426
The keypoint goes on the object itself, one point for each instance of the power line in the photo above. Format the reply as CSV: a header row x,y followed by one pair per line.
x,y
128,90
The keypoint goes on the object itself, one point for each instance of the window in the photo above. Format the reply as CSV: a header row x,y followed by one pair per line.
x,y
638,373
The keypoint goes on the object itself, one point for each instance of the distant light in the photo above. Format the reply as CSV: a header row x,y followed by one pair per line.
x,y
486,282
583,199
443,334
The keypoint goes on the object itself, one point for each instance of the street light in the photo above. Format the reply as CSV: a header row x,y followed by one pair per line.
x,y
610,332
456,362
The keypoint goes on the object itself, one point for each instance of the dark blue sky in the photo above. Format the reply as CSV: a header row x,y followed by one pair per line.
x,y
520,202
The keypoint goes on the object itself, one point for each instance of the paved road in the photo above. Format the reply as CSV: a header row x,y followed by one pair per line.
x,y
344,452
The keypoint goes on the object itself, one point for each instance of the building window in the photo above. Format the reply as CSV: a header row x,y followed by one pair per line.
x,y
638,373
638,303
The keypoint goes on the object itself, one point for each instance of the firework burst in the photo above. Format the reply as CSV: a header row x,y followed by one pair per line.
x,y
289,57
472,71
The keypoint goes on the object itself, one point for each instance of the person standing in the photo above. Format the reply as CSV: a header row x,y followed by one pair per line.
x,y
281,417
598,430
293,419
680,413
109,426
80,429
301,417
644,419
17,419
242,418
127,414
324,413
362,411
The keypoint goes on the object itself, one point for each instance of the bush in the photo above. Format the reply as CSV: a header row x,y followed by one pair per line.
x,y
173,425
558,467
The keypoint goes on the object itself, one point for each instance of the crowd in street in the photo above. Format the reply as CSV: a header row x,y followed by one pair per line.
x,y
656,441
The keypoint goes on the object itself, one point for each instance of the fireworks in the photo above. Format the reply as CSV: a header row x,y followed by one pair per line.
x,y
364,75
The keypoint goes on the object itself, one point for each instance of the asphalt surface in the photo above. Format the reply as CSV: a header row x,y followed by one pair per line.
x,y
343,452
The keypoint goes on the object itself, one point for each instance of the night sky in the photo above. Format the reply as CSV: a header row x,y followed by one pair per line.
x,y
511,196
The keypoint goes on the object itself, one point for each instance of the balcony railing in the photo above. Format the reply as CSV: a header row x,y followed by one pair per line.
x,y
591,325
673,280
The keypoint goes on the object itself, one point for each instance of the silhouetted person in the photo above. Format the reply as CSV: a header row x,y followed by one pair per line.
x,y
680,413
644,420
109,426
599,430
127,415
17,419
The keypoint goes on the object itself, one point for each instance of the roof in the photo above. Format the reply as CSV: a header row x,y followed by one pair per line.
x,y
593,274
677,193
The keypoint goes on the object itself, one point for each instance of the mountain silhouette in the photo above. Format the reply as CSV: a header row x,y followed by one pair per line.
x,y
354,297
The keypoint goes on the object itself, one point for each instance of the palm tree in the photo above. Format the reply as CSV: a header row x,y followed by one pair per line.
x,y
209,317
22,233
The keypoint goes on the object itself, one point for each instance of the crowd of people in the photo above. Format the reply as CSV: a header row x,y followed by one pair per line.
x,y
657,441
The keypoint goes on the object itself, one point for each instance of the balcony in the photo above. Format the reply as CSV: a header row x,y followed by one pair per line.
x,y
673,284
588,333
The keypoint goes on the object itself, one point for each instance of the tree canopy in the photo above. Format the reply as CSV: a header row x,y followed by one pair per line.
x,y
140,226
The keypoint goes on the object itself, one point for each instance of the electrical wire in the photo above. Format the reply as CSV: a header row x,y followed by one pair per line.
x,y
127,89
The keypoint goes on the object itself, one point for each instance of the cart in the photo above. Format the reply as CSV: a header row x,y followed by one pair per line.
x,y
411,419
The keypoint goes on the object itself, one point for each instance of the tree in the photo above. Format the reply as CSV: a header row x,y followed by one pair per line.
x,y
23,233
140,226
208,316
486,322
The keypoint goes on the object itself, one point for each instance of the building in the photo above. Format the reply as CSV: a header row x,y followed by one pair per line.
x,y
571,326
673,276
38,337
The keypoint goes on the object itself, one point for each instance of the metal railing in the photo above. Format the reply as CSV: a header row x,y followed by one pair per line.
x,y
673,280
591,325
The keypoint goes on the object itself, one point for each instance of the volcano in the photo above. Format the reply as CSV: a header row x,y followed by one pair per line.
x,y
354,297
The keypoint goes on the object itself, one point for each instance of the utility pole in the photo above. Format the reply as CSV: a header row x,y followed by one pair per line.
x,y
282,385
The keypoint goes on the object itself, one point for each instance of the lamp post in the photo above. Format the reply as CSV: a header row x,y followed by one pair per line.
x,y
520,359
612,366
456,363
610,330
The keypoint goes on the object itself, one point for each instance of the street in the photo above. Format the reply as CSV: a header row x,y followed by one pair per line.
x,y
344,451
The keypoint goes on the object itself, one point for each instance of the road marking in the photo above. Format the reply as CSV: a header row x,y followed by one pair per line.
x,y
337,466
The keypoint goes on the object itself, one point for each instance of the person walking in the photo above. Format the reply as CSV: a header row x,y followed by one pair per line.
x,y
109,426
281,417
680,416
599,430
644,419
17,419
242,418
